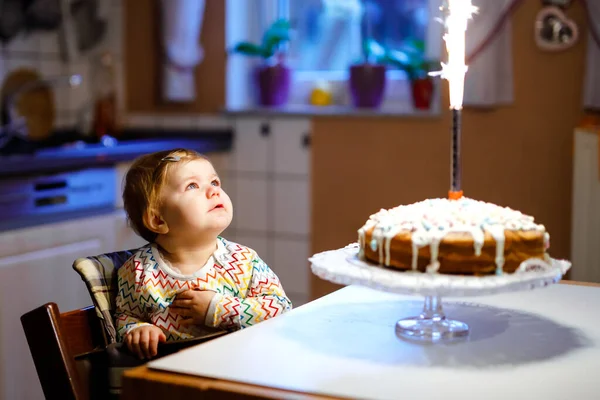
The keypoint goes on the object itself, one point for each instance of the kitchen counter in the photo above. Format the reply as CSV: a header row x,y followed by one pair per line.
x,y
133,143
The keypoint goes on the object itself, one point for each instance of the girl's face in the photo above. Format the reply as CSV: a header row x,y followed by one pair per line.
x,y
193,203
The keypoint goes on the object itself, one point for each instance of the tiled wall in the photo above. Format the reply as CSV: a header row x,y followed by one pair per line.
x,y
267,175
41,51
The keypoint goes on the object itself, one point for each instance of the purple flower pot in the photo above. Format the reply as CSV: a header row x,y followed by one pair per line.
x,y
367,85
273,83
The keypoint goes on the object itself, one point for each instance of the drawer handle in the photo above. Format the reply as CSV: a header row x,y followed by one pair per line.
x,y
265,129
50,185
50,201
306,140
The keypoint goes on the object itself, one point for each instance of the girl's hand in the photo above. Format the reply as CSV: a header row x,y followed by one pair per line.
x,y
193,305
143,341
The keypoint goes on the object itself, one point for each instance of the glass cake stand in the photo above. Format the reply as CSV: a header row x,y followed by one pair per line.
x,y
432,325
343,266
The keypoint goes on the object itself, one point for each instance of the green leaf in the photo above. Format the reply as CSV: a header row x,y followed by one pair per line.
x,y
408,59
281,24
373,51
272,41
417,46
278,33
398,58
249,49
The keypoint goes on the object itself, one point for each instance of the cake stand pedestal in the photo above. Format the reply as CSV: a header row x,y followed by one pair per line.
x,y
432,325
344,266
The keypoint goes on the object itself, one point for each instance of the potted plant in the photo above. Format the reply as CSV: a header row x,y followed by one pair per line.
x,y
368,81
368,78
272,75
410,59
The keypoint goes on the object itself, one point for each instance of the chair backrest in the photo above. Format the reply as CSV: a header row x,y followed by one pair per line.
x,y
55,340
99,273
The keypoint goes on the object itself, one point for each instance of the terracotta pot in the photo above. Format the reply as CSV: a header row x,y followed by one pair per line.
x,y
422,93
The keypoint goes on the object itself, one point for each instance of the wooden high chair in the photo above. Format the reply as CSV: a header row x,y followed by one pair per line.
x,y
76,354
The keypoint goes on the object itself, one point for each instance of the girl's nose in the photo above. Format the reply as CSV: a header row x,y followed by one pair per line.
x,y
213,191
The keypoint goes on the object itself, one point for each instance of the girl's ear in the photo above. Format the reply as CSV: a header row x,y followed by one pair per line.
x,y
154,222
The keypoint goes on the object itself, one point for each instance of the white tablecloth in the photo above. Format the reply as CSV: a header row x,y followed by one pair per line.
x,y
540,344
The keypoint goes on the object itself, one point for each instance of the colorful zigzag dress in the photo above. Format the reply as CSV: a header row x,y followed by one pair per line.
x,y
248,291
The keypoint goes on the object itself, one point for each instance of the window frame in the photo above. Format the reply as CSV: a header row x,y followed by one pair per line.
x,y
239,25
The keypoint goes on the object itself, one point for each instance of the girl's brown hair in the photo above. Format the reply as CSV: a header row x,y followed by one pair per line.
x,y
143,183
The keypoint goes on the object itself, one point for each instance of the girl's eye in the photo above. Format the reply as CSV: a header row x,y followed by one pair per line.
x,y
215,182
192,185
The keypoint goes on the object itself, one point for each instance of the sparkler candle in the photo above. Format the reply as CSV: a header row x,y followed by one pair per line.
x,y
458,13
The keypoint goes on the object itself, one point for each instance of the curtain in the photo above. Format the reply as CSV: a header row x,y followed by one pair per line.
x,y
489,79
591,89
182,24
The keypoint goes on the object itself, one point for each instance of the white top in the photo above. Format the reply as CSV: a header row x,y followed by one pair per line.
x,y
540,344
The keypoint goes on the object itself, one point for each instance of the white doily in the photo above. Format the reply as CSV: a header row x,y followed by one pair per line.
x,y
343,266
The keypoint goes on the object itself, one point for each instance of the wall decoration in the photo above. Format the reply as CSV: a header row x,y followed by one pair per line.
x,y
554,31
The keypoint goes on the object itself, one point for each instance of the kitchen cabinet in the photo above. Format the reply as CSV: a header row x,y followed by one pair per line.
x,y
269,174
36,268
585,222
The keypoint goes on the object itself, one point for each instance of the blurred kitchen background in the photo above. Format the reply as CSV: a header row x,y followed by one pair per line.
x,y
312,132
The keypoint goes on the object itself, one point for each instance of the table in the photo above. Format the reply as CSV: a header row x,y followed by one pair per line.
x,y
543,343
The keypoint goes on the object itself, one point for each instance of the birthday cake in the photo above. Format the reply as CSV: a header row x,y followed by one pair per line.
x,y
462,236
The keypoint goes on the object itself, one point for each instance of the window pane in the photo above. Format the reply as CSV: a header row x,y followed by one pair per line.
x,y
328,33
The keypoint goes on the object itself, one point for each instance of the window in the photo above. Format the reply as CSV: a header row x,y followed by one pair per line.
x,y
328,36
329,33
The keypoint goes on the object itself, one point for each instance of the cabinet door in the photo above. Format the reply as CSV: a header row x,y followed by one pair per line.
x,y
291,205
291,145
585,230
36,270
271,173
248,177
290,263
291,176
251,145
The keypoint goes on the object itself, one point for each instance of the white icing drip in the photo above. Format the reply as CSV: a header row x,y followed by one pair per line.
x,y
361,243
434,248
497,232
415,256
478,239
378,236
418,240
431,220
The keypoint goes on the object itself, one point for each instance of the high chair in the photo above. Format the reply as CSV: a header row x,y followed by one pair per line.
x,y
76,354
